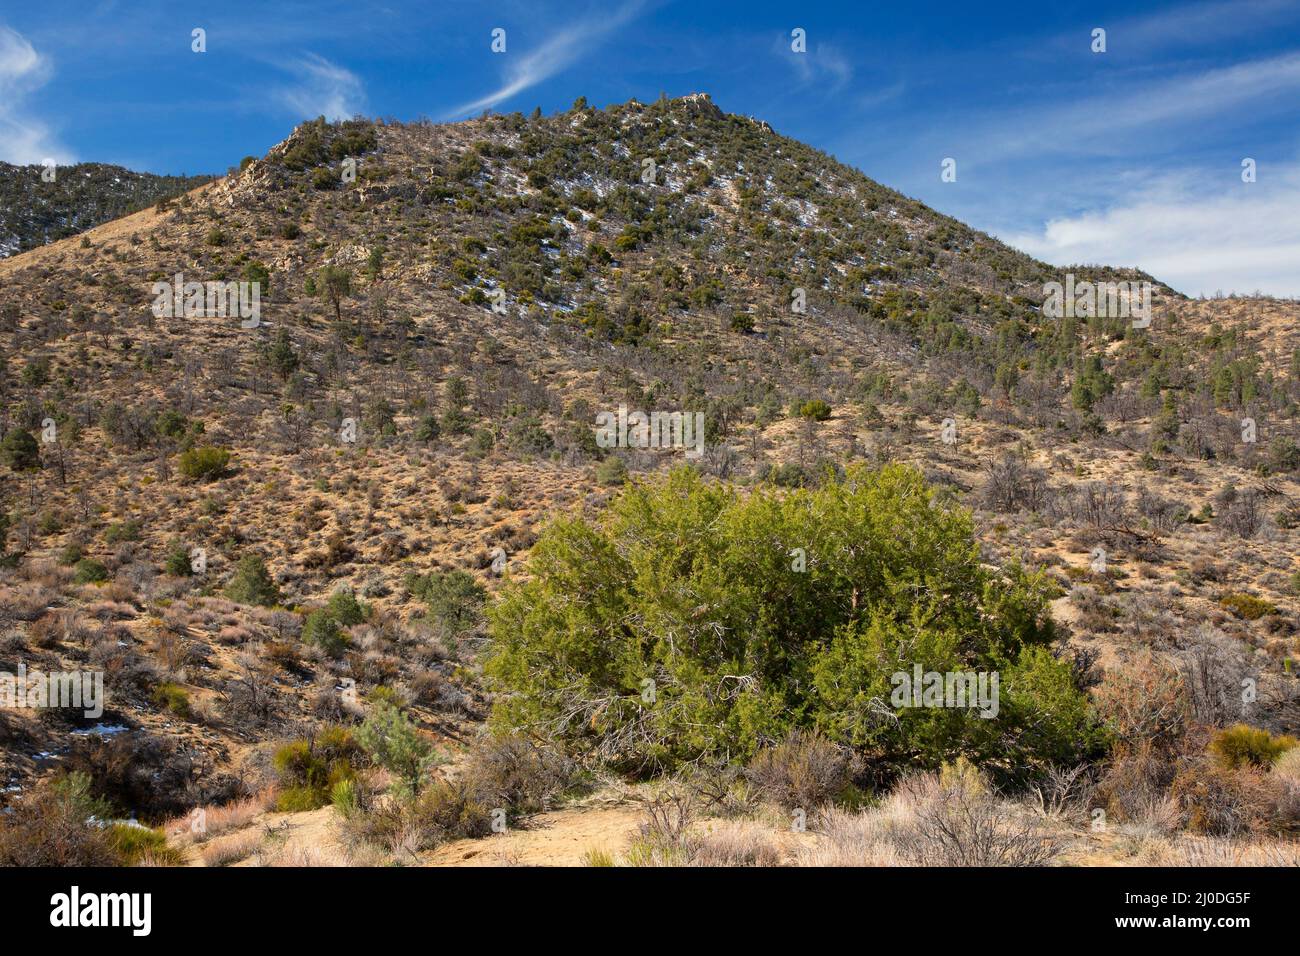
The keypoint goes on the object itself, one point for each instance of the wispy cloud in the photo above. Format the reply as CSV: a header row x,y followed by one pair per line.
x,y
821,63
322,88
23,138
1201,23
1102,124
556,54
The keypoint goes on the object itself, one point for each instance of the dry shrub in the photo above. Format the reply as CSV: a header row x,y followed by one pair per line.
x,y
1064,792
1221,851
855,839
958,824
427,687
234,634
736,843
297,855
1220,801
232,848
1287,766
221,818
48,828
1213,667
952,819
665,837
151,775
28,601
1134,779
1144,700
109,610
56,627
724,790
516,774
805,770
119,591
1012,484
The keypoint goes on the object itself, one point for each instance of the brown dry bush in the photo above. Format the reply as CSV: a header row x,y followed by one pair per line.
x,y
804,770
736,843
1136,778
450,809
152,776
1144,700
517,774
666,837
1218,801
1012,484
723,789
957,823
231,849
48,828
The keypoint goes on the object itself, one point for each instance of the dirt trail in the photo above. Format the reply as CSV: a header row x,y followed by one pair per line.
x,y
558,838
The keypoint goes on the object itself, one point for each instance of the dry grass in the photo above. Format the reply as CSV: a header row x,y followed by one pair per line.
x,y
297,855
233,848
930,820
212,821
736,843
1220,851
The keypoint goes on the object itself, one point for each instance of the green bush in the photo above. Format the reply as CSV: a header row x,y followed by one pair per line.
x,y
344,607
19,451
136,844
687,587
815,410
205,463
173,698
310,768
454,810
1283,455
1247,606
252,583
742,322
178,561
395,744
611,471
455,599
123,531
428,429
1242,745
324,631
90,571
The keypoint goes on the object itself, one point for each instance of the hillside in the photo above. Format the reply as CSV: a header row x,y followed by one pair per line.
x,y
417,397
36,209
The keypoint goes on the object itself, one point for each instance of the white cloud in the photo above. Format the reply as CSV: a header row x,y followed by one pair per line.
x,y
1103,124
553,56
1207,22
24,139
1244,237
821,63
323,89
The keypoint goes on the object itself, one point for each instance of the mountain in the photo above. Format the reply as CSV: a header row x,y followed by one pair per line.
x,y
35,209
449,319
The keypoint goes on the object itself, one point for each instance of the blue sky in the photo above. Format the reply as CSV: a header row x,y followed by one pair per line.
x,y
1132,156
